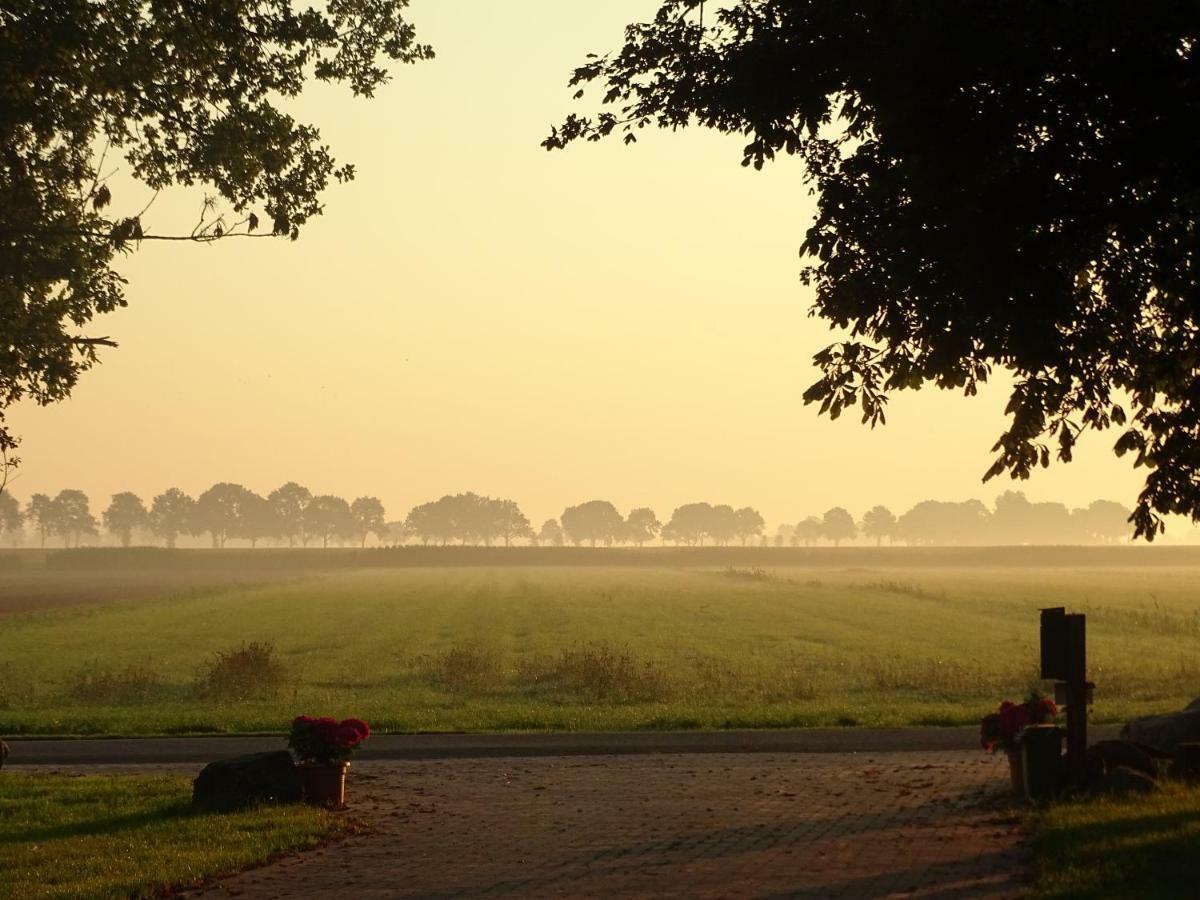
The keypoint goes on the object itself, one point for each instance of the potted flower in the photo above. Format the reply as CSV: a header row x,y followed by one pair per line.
x,y
323,748
1002,729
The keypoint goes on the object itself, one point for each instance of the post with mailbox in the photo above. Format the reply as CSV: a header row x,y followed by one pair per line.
x,y
1064,661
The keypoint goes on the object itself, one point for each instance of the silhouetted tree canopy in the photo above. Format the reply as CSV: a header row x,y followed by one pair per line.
x,y
172,513
879,522
596,520
329,518
837,525
257,519
10,516
748,523
288,502
187,92
125,514
468,518
369,517
641,525
40,511
550,534
938,522
1004,185
219,511
70,516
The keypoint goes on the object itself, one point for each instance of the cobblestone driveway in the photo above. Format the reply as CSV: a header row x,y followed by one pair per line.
x,y
929,824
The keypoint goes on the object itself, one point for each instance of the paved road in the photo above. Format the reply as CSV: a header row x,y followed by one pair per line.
x,y
475,746
447,746
932,824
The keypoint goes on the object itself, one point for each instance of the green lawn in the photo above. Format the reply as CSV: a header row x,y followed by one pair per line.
x,y
1143,847
130,835
601,648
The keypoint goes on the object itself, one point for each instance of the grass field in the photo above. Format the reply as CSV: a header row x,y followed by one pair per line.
x,y
1111,849
121,836
879,641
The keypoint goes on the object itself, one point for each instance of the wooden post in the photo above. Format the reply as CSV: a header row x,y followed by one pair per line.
x,y
1077,699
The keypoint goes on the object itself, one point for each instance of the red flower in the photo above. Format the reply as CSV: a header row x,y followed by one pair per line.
x,y
326,739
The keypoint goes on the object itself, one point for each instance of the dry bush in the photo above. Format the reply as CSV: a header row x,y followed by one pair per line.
x,y
598,671
251,670
114,687
464,667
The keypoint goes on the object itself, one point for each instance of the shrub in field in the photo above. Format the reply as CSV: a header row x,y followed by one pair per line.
x,y
599,671
463,667
250,670
133,684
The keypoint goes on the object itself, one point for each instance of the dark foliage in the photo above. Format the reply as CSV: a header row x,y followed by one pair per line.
x,y
187,92
1000,185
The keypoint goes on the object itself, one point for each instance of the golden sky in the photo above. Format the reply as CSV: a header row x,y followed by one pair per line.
x,y
473,313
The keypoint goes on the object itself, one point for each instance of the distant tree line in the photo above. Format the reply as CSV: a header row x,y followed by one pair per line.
x,y
1015,520
291,514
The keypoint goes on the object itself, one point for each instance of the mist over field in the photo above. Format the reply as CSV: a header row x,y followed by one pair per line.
x,y
154,641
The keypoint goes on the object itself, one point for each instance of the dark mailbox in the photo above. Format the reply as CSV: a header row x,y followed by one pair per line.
x,y
1055,652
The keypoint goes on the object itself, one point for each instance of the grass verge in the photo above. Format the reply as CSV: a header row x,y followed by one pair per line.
x,y
1144,847
110,836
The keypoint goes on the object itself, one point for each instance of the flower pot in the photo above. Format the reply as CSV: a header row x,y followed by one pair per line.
x,y
324,783
1016,771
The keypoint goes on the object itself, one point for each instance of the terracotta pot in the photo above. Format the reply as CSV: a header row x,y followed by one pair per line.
x,y
324,783
1016,771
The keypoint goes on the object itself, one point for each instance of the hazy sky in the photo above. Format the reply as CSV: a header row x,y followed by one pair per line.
x,y
473,313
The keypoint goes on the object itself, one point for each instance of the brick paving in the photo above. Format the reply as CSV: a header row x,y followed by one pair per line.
x,y
902,824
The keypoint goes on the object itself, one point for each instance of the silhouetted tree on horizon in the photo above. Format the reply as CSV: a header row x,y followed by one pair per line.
x,y
40,511
593,521
289,501
328,518
368,515
809,531
941,522
689,524
10,517
879,523
256,519
748,523
125,514
172,513
508,521
642,526
71,517
838,525
550,533
1103,520
219,511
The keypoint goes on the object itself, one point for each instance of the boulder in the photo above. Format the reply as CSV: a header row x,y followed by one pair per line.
x,y
1104,756
1123,780
242,781
1166,732
1186,764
